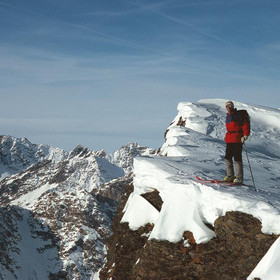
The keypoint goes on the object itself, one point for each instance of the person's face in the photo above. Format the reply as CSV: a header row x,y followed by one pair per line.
x,y
229,108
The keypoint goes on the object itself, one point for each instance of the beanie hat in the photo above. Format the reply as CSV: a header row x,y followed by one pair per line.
x,y
229,103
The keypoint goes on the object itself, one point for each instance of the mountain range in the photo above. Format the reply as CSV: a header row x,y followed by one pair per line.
x,y
140,213
57,207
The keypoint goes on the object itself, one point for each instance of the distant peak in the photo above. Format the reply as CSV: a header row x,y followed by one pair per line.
x,y
80,151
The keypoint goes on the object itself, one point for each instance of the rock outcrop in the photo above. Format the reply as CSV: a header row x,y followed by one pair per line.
x,y
234,252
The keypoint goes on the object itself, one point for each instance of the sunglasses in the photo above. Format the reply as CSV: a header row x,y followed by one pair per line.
x,y
229,106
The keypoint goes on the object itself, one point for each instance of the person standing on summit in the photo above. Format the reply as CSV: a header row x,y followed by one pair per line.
x,y
238,131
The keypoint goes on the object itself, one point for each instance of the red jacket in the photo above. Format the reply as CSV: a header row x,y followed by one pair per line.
x,y
234,130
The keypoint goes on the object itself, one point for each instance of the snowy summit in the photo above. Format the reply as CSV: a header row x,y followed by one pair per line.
x,y
194,146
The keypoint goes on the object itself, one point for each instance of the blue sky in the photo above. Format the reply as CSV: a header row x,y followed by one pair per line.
x,y
106,73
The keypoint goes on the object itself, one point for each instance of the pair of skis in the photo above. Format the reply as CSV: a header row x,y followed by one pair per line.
x,y
214,181
223,183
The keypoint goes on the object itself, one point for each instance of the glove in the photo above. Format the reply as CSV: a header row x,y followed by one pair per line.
x,y
244,138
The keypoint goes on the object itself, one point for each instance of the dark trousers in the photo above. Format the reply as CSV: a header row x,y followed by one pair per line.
x,y
234,150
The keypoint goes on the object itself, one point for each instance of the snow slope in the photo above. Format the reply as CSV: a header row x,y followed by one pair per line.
x,y
194,146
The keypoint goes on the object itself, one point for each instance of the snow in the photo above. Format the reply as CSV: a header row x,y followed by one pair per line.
x,y
30,198
58,192
188,204
36,265
141,212
19,154
198,150
4,174
194,149
269,267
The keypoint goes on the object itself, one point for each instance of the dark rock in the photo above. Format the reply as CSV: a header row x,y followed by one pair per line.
x,y
80,151
181,122
238,247
154,199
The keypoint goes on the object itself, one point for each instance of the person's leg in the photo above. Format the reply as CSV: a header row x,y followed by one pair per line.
x,y
229,163
237,154
239,171
229,167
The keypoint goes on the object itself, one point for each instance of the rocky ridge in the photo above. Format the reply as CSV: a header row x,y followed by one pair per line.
x,y
237,248
238,242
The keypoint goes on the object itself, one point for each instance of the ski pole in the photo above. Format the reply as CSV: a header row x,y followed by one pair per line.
x,y
250,167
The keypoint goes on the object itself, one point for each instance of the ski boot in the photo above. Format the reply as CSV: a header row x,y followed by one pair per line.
x,y
229,179
238,180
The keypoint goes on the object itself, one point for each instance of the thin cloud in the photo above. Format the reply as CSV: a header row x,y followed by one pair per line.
x,y
107,13
112,39
155,10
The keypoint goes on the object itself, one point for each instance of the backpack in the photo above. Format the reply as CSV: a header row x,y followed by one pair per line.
x,y
241,116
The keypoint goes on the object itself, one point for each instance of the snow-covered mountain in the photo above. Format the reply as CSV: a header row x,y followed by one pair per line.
x,y
125,155
170,213
56,208
17,154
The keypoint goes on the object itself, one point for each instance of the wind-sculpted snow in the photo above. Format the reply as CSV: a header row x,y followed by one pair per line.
x,y
194,146
188,204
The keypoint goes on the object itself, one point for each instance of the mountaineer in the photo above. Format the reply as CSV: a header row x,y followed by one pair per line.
x,y
238,131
